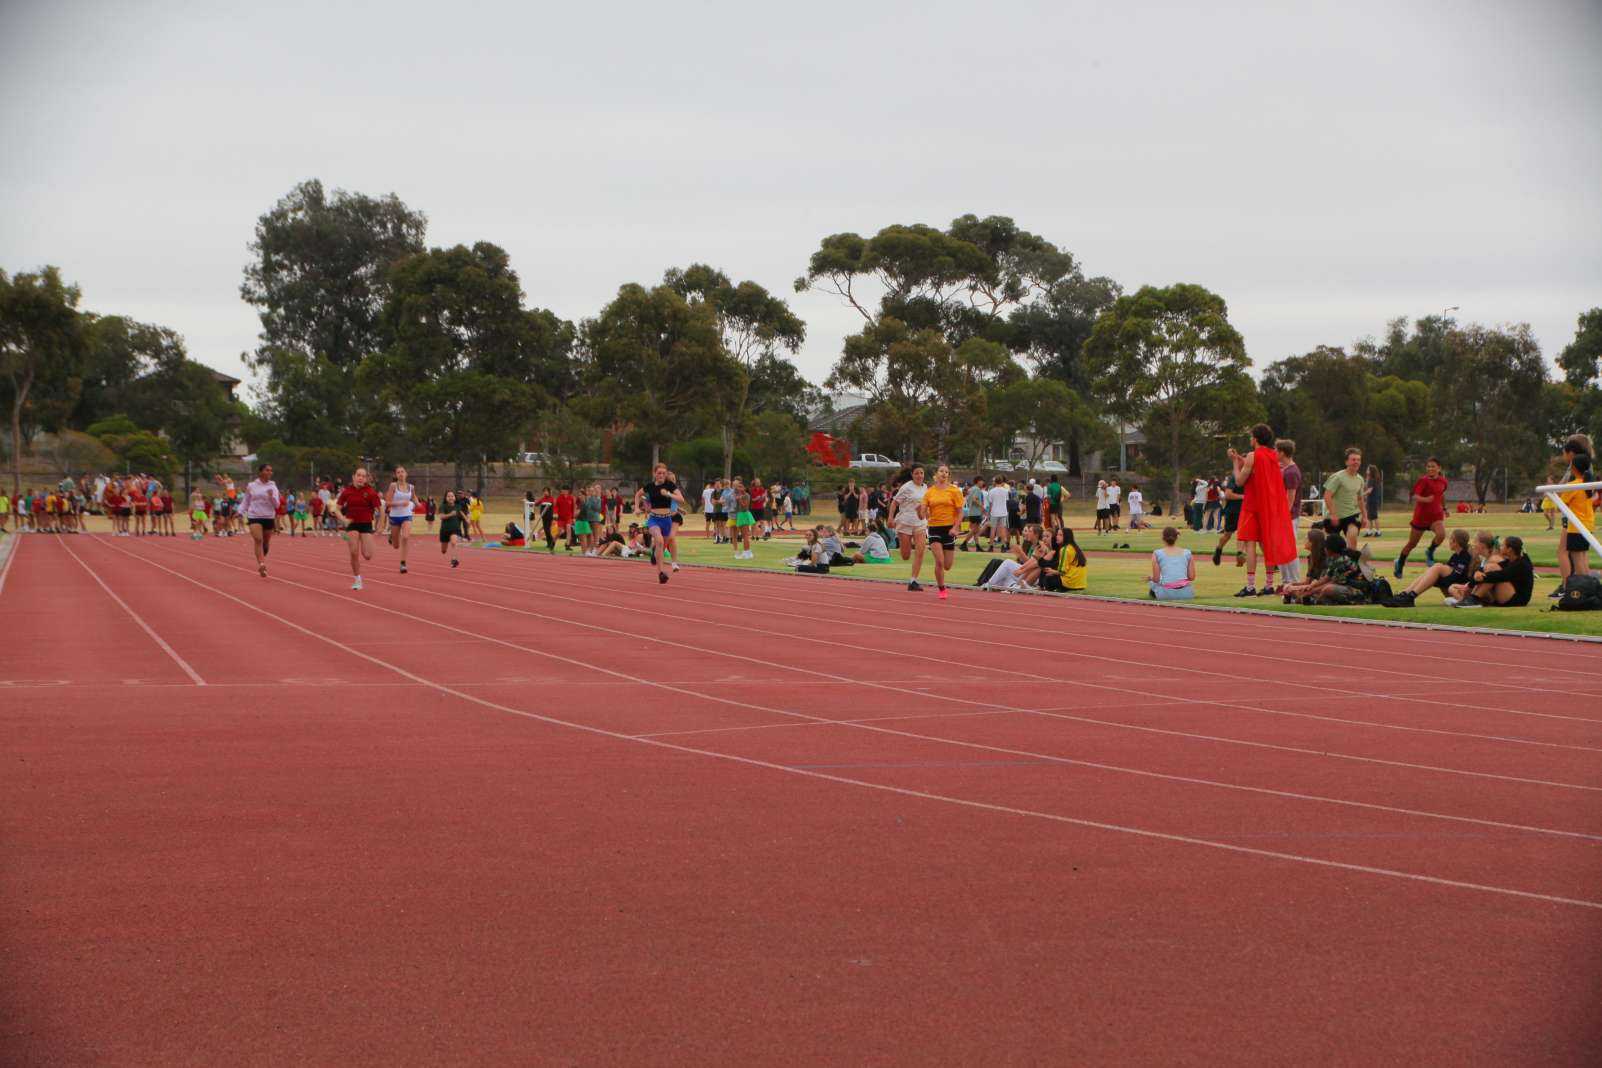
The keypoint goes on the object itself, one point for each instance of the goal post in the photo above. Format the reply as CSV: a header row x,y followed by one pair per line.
x,y
1552,493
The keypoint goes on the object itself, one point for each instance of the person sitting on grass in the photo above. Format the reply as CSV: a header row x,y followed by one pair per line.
x,y
1073,567
833,547
1316,541
1173,570
1008,577
811,559
1505,581
875,550
1455,571
610,543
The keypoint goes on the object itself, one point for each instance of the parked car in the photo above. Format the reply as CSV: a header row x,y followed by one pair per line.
x,y
1003,466
872,461
531,458
1052,467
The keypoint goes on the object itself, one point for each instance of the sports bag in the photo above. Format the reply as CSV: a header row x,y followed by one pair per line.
x,y
1581,593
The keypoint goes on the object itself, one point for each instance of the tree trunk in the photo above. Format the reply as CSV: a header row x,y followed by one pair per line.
x,y
656,454
17,402
1173,444
728,452
1073,454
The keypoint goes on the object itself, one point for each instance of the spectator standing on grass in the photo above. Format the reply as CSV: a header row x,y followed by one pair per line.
x,y
1373,496
1198,504
1264,523
1577,445
996,498
566,507
1031,503
706,508
1291,476
1137,507
1057,498
973,512
1115,503
1214,507
1575,547
1343,499
1102,514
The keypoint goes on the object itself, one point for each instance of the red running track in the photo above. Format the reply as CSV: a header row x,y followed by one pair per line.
x,y
542,809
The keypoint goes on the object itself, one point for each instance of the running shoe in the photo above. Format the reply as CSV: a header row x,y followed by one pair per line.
x,y
455,562
1467,601
261,569
1246,591
1218,556
945,594
356,583
675,567
661,576
913,586
1429,556
403,567
1405,599
1401,562
1266,591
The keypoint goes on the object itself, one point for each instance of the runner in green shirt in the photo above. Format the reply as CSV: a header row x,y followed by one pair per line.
x,y
1055,495
1343,499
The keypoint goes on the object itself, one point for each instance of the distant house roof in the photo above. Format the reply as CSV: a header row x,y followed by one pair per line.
x,y
842,411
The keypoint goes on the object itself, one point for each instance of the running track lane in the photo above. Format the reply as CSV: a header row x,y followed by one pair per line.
x,y
1356,839
788,917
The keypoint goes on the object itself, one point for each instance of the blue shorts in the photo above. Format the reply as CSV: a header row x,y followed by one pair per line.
x,y
662,524
397,520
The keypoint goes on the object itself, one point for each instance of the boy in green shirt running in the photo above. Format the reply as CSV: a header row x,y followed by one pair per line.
x,y
1345,513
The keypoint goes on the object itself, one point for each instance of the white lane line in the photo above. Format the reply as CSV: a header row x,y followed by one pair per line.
x,y
1069,761
680,617
672,598
158,639
11,558
985,806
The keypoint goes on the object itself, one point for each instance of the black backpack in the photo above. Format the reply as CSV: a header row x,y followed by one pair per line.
x,y
1379,591
1581,593
989,570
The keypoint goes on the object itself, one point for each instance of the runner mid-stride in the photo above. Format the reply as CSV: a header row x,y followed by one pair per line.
x,y
657,497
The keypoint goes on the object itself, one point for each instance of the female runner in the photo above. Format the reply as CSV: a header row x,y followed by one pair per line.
x,y
657,497
398,503
355,506
942,505
911,522
452,524
261,502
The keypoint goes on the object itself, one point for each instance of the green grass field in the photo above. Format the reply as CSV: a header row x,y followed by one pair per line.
x,y
1123,573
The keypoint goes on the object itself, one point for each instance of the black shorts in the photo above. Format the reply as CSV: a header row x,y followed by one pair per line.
x,y
1102,513
359,528
1428,526
1116,509
265,524
124,512
678,518
941,536
1575,542
448,530
1346,522
1231,516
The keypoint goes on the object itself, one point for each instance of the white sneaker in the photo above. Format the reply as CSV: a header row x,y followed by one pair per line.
x,y
675,567
356,583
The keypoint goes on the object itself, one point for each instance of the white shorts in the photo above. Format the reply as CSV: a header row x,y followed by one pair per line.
x,y
909,529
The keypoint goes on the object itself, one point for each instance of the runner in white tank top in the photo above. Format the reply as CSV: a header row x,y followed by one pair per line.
x,y
398,503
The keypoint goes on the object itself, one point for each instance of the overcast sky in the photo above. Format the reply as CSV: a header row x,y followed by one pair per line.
x,y
1323,166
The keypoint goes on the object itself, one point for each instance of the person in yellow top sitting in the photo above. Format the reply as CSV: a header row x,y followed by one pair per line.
x,y
1073,569
942,504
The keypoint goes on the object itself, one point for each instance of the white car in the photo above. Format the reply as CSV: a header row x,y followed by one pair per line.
x,y
531,458
872,461
1052,467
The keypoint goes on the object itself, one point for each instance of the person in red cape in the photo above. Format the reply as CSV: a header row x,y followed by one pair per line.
x,y
1264,515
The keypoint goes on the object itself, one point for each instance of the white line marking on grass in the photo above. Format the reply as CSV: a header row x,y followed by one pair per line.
x,y
146,627
984,806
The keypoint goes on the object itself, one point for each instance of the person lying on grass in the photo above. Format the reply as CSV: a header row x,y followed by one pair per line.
x,y
1505,581
1455,571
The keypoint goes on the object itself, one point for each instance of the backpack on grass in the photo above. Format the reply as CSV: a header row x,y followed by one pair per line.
x,y
1378,591
1581,593
989,570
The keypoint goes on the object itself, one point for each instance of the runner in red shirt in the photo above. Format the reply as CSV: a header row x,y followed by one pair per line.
x,y
115,504
356,506
316,504
1265,513
1429,513
565,507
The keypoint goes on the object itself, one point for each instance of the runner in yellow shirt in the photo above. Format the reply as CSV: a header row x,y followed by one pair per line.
x,y
942,503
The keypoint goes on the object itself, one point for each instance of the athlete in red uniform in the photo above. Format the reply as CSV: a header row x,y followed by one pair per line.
x,y
356,505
